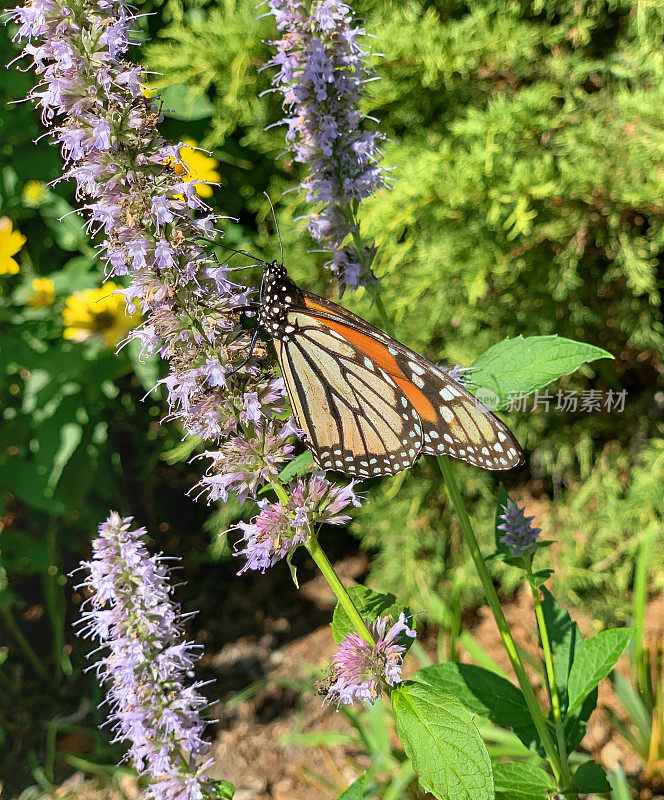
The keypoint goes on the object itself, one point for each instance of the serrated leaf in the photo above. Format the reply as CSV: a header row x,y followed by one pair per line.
x,y
593,661
521,780
356,790
589,777
370,604
521,366
442,742
298,466
483,692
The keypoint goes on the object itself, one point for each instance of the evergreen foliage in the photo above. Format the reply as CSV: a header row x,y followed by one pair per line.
x,y
528,146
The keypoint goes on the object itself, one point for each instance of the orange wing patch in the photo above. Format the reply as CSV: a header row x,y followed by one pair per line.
x,y
377,352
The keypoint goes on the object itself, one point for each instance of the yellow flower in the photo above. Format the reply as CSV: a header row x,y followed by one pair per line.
x,y
98,312
33,191
199,167
10,243
43,293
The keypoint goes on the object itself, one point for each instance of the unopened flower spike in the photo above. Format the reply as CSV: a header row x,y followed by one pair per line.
x,y
358,668
519,534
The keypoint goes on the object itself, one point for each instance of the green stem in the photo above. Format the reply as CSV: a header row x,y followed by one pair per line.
x,y
324,565
23,643
553,688
489,591
503,628
54,605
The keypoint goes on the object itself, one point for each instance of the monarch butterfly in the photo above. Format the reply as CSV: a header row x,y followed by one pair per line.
x,y
369,405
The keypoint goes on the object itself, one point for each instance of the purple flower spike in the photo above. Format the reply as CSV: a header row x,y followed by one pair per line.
x,y
520,535
127,176
358,669
322,72
147,664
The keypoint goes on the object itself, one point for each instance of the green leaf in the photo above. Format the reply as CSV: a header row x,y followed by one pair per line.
x,y
298,466
589,777
146,368
536,579
575,724
519,366
593,661
564,636
71,434
521,780
442,742
182,450
223,790
370,604
482,692
356,790
181,102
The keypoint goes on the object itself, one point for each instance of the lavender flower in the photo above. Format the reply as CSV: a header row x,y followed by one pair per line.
x,y
136,195
459,374
278,529
358,668
322,71
153,221
147,663
520,536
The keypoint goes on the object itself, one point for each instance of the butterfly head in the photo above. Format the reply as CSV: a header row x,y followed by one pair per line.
x,y
278,294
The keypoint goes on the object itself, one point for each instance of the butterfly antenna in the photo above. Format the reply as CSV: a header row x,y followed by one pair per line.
x,y
276,225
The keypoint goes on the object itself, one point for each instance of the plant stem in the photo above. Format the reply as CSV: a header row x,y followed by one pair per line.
x,y
447,471
324,565
23,643
553,688
503,628
54,604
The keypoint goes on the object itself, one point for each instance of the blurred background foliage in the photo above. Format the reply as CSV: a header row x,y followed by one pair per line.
x,y
527,147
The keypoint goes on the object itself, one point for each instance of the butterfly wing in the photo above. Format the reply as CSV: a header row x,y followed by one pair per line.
x,y
359,378
356,418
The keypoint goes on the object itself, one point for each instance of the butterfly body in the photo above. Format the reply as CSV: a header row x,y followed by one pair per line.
x,y
369,405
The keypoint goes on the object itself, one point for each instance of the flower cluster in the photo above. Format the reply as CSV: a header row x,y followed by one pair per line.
x,y
519,534
143,197
147,663
322,68
358,669
278,529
